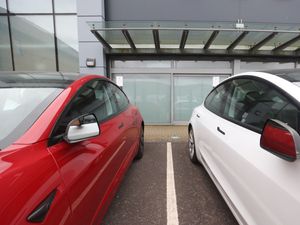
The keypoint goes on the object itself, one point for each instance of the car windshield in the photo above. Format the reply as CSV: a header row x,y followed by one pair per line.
x,y
19,109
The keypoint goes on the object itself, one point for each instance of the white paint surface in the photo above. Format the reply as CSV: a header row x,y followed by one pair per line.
x,y
172,214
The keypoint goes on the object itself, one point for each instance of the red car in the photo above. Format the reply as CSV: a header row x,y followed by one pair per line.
x,y
66,142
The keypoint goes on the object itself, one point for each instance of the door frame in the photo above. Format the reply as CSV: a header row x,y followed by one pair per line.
x,y
177,122
173,72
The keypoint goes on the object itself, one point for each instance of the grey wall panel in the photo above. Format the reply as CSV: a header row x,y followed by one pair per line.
x,y
89,46
277,11
90,8
91,50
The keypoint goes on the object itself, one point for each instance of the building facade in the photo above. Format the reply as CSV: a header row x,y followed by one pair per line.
x,y
167,54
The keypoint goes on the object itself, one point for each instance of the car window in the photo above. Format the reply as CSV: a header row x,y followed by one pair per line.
x,y
121,99
95,98
252,102
217,99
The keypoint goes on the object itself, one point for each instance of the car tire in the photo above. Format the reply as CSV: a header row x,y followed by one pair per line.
x,y
192,149
140,151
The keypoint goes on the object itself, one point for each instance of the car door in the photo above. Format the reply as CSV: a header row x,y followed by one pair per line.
x,y
208,121
89,167
129,120
257,182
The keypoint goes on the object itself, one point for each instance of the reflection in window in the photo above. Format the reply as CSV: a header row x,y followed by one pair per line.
x,y
65,6
5,53
33,43
121,99
253,102
2,6
218,98
30,6
189,92
151,93
67,42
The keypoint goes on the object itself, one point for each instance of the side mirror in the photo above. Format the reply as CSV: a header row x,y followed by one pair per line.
x,y
281,140
82,128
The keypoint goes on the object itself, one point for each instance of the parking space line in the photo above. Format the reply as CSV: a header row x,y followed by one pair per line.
x,y
172,214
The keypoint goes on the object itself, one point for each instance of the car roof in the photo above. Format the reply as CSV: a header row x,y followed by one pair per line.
x,y
36,79
281,79
292,75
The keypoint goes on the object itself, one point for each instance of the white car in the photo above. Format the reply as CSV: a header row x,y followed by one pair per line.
x,y
246,135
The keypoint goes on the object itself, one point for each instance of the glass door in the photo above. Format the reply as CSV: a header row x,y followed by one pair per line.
x,y
151,93
189,92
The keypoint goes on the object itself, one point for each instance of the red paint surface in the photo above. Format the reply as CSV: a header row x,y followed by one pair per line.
x,y
86,174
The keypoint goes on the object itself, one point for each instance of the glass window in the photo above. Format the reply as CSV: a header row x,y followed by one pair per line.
x,y
33,43
5,51
189,92
2,6
216,100
65,6
67,43
151,93
203,64
253,102
92,98
142,64
21,107
255,66
30,6
121,99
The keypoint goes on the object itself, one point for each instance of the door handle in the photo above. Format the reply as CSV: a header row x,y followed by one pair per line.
x,y
198,115
219,129
40,212
121,125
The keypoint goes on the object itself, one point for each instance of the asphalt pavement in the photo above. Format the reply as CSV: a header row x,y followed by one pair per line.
x,y
142,196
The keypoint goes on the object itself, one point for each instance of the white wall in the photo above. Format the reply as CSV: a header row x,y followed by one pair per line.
x,y
89,46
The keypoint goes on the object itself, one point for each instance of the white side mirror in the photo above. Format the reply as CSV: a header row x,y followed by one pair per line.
x,y
82,128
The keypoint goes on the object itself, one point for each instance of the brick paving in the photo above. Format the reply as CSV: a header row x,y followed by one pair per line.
x,y
166,133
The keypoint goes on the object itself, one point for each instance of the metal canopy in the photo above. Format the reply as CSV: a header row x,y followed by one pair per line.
x,y
195,38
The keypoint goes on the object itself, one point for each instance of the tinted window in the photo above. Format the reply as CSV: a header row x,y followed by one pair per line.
x,y
30,6
252,102
216,100
34,49
121,99
92,98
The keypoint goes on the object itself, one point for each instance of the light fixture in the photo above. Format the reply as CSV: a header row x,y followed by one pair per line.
x,y
90,62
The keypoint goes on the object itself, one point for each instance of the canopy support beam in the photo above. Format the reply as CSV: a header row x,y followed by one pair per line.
x,y
211,39
184,37
128,38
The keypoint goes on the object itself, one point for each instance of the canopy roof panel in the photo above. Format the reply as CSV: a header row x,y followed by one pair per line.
x,y
209,38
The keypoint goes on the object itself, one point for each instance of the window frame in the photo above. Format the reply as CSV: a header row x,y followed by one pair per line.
x,y
281,91
55,139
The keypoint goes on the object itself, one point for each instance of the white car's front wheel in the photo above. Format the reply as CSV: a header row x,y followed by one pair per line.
x,y
192,150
